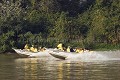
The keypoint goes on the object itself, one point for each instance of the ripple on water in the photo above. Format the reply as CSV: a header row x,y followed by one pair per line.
x,y
55,69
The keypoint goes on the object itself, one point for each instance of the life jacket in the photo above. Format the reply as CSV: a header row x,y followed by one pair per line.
x,y
60,46
68,49
43,49
32,49
26,47
35,50
79,50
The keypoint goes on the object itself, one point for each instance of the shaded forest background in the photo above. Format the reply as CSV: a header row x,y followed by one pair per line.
x,y
79,23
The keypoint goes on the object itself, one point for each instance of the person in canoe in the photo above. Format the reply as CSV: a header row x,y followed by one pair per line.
x,y
26,47
33,49
82,50
69,49
41,49
60,46
79,50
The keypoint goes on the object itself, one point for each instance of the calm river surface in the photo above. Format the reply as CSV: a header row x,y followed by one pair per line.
x,y
13,67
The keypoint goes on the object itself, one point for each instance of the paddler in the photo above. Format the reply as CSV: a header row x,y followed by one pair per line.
x,y
79,50
60,46
68,49
33,49
43,49
26,47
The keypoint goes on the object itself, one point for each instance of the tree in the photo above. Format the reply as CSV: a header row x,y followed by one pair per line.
x,y
49,6
59,30
112,22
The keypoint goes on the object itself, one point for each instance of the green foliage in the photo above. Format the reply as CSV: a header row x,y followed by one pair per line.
x,y
103,46
88,24
6,41
60,27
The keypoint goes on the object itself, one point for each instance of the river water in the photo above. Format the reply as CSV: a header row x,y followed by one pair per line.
x,y
13,67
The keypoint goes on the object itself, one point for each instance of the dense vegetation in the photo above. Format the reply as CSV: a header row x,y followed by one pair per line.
x,y
81,23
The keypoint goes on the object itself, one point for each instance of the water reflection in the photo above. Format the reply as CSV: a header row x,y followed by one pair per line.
x,y
34,69
31,69
60,71
49,69
27,68
54,69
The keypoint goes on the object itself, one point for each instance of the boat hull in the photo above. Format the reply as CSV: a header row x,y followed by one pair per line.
x,y
31,54
67,55
58,56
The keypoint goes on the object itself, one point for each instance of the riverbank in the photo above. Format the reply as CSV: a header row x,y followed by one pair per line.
x,y
93,47
97,49
106,47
